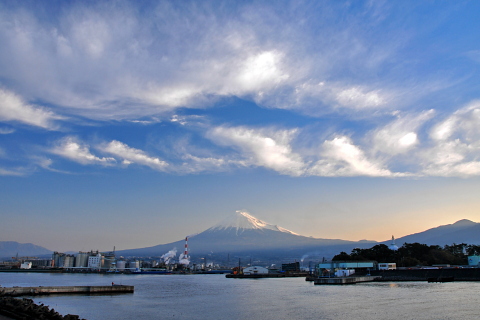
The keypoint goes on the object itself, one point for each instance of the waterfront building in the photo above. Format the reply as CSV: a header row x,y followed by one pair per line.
x,y
331,267
121,265
68,261
62,260
474,261
81,260
108,260
291,267
134,264
344,272
95,262
255,270
58,259
387,266
42,263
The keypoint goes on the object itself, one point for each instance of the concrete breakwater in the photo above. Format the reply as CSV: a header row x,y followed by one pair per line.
x,y
265,275
457,274
14,308
345,280
33,291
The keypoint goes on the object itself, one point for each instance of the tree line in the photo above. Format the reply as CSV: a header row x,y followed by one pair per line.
x,y
414,254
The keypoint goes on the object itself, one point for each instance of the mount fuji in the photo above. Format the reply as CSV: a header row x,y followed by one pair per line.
x,y
242,235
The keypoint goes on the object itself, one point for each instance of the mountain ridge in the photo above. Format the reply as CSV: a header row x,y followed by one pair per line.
x,y
243,234
461,231
9,249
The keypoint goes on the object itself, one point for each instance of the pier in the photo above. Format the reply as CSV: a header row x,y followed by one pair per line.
x,y
265,275
345,280
33,291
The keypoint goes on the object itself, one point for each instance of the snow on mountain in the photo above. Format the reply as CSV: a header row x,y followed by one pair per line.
x,y
243,235
242,221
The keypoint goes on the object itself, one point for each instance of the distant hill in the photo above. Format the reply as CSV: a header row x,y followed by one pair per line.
x,y
9,249
242,235
462,231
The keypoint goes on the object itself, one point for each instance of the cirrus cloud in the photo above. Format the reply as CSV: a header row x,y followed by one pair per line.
x,y
131,155
75,150
267,148
13,108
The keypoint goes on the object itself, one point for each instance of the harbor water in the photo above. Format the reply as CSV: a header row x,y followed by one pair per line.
x,y
216,297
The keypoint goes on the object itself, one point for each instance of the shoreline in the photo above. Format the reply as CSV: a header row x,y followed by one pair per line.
x,y
21,308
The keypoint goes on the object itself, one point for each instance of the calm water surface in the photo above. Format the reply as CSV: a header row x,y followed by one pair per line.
x,y
215,297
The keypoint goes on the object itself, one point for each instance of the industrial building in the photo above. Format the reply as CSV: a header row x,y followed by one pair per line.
x,y
474,261
291,267
255,270
343,268
387,266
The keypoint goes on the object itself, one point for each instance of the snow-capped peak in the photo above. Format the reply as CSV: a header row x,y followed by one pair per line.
x,y
242,220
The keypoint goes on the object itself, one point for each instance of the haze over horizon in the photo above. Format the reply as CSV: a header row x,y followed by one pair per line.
x,y
132,124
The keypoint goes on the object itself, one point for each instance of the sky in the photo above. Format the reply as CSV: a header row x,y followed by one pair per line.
x,y
136,123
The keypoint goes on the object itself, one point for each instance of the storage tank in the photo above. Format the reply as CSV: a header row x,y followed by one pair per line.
x,y
82,259
121,265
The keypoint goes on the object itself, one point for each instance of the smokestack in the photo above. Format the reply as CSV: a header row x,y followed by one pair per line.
x,y
185,253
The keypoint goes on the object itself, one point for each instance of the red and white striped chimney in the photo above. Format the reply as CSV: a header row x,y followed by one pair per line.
x,y
186,247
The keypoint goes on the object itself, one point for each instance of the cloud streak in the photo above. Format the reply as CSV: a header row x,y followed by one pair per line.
x,y
425,145
266,148
13,108
131,155
75,150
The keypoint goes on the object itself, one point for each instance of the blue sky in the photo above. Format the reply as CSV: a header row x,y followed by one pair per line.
x,y
135,123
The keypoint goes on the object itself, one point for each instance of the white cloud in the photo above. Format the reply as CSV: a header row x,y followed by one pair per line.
x,y
268,148
261,71
463,123
318,97
455,145
194,164
7,172
465,170
108,62
13,108
400,135
340,157
6,130
131,155
75,150
358,98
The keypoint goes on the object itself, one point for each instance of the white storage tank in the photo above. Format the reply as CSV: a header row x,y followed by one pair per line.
x,y
121,265
81,261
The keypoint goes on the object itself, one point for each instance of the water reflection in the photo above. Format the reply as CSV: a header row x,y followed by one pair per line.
x,y
215,297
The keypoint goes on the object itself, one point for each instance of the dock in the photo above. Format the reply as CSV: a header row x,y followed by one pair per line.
x,y
265,275
34,291
255,276
345,280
